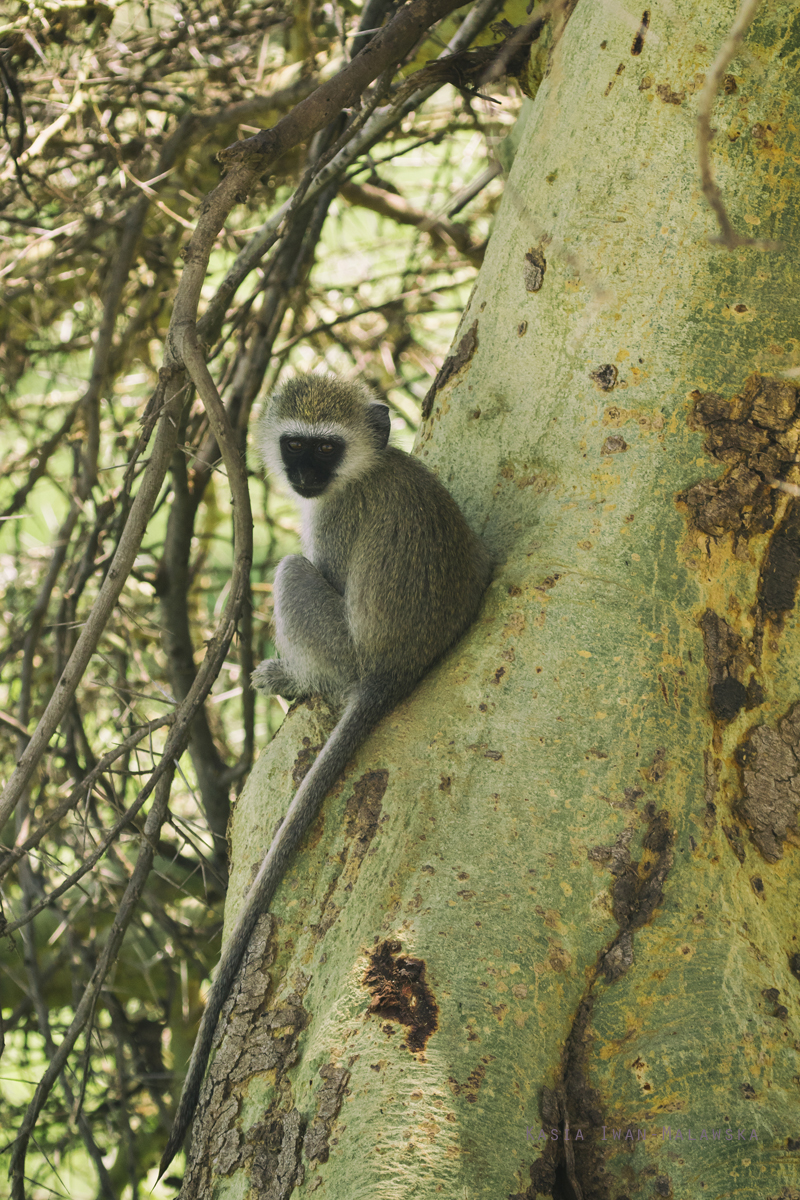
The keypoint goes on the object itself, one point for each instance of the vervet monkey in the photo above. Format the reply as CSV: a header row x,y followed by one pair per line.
x,y
390,576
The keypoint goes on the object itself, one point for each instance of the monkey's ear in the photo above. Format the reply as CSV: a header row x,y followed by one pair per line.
x,y
380,423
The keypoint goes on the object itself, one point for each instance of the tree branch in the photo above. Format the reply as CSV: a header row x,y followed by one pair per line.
x,y
113,583
730,238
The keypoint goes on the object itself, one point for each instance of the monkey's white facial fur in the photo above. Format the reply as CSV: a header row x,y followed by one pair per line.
x,y
318,434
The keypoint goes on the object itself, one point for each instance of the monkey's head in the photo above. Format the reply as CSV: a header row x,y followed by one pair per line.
x,y
318,432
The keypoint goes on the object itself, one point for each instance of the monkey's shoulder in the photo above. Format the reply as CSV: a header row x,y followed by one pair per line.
x,y
402,482
404,515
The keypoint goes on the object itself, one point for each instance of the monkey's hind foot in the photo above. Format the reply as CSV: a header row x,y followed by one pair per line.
x,y
271,679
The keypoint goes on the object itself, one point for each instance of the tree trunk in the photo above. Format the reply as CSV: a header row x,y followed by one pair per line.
x,y
543,939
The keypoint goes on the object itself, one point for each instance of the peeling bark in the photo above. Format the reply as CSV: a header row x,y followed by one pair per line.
x,y
755,435
771,781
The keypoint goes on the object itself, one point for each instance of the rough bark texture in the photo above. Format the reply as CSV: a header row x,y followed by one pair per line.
x,y
576,844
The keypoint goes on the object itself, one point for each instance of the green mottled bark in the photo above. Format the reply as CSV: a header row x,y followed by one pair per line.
x,y
558,887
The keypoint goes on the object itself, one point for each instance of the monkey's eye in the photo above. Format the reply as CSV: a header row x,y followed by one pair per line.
x,y
325,448
294,446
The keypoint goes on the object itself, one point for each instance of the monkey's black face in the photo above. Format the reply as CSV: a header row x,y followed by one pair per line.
x,y
310,462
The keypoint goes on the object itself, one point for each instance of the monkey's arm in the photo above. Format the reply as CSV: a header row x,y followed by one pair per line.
x,y
317,655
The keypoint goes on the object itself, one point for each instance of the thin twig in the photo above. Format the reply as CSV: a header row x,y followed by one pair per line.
x,y
127,907
729,237
80,790
118,572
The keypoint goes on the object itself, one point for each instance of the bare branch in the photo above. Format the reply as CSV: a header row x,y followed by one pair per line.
x,y
76,795
118,572
83,1012
730,238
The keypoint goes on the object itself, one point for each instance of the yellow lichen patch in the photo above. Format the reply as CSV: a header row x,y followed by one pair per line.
x,y
648,422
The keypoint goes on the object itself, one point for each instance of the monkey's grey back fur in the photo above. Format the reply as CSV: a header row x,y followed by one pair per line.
x,y
391,575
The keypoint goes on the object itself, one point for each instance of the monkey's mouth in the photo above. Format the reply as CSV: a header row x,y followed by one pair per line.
x,y
309,493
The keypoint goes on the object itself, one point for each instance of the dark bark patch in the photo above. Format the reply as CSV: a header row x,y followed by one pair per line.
x,y
770,767
749,434
668,96
547,583
615,444
305,760
554,1172
638,41
251,1038
451,366
616,961
543,1175
361,819
276,1144
638,887
599,854
727,661
581,1102
316,1143
534,269
605,377
400,993
755,694
469,1089
725,505
363,811
727,698
619,70
754,434
777,588
734,835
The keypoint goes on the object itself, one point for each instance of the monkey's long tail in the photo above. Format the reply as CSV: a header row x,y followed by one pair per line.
x,y
362,712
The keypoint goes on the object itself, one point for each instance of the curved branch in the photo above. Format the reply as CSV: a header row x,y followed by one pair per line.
x,y
118,572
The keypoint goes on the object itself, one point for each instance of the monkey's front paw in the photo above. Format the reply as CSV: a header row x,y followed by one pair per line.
x,y
271,679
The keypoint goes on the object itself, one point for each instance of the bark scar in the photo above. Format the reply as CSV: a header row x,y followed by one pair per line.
x,y
755,435
400,993
770,766
451,366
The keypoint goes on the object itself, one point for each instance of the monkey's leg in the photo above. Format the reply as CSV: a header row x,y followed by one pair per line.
x,y
311,635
